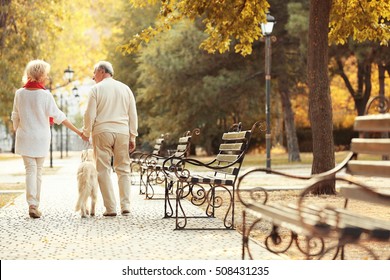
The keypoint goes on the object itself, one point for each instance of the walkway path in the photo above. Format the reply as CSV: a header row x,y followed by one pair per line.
x,y
62,235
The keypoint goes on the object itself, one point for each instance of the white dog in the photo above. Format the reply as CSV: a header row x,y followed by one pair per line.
x,y
87,183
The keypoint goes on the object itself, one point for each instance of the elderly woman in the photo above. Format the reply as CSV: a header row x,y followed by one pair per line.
x,y
32,108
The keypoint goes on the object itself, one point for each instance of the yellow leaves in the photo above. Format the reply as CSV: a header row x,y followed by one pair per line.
x,y
164,20
361,20
146,35
243,49
224,20
44,239
233,19
143,3
384,42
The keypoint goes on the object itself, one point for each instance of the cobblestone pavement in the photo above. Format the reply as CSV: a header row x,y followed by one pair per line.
x,y
60,234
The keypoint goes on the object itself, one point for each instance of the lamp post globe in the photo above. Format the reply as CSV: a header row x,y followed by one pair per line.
x,y
69,74
75,92
267,27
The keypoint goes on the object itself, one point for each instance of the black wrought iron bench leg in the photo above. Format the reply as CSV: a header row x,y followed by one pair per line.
x,y
168,210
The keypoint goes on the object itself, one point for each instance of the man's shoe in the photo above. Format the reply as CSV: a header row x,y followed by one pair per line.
x,y
125,212
106,214
34,212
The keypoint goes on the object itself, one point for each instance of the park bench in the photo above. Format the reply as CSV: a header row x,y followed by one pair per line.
x,y
152,168
200,186
327,231
140,159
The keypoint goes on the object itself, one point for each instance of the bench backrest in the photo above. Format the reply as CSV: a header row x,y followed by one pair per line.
x,y
232,150
184,145
158,148
372,149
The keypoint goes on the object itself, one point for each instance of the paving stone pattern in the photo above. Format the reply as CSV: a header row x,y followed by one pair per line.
x,y
61,234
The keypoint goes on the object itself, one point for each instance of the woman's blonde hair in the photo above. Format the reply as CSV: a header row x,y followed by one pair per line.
x,y
36,71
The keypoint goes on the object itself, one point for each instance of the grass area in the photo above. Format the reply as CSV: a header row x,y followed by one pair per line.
x,y
278,160
9,156
12,186
8,198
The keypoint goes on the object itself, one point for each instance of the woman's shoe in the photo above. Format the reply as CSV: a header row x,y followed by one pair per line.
x,y
34,212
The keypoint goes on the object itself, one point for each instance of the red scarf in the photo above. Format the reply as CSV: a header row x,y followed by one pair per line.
x,y
34,84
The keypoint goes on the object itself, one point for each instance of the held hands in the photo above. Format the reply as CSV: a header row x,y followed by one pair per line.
x,y
85,138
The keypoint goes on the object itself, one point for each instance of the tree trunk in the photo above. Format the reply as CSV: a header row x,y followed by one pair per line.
x,y
320,105
381,93
364,86
381,79
363,92
288,116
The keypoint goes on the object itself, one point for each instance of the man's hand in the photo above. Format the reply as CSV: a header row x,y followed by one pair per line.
x,y
85,138
131,146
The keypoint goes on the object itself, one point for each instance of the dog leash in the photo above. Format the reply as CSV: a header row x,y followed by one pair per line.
x,y
86,145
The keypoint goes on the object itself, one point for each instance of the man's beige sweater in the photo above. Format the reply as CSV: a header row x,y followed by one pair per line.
x,y
111,108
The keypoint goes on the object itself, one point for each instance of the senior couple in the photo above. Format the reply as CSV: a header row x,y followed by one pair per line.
x,y
110,119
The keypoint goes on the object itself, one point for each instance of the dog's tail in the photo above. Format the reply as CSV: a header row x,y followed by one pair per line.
x,y
83,197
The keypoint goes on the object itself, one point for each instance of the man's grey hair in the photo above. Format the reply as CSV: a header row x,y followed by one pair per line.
x,y
106,66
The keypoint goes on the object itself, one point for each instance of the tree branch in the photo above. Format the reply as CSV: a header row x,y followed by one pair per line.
x,y
345,77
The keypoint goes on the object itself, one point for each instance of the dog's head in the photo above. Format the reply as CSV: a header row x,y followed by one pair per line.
x,y
87,155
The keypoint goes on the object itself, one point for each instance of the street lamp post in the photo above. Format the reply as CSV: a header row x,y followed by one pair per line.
x,y
68,76
67,130
75,94
266,29
61,133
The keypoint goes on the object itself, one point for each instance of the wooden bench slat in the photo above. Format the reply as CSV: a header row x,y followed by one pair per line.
x,y
283,218
235,136
343,218
323,217
329,218
208,179
315,219
371,146
184,139
228,171
372,123
181,148
369,168
226,158
232,147
353,225
356,220
357,193
348,223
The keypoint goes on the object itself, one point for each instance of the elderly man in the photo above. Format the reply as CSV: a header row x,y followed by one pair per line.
x,y
111,119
